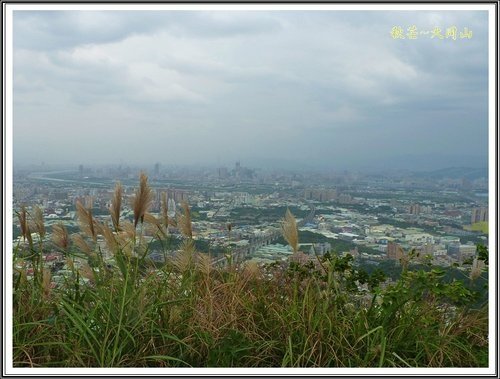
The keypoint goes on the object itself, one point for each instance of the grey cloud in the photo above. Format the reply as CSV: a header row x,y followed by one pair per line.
x,y
229,24
322,87
67,29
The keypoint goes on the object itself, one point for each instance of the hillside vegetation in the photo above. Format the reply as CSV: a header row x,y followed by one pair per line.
x,y
319,312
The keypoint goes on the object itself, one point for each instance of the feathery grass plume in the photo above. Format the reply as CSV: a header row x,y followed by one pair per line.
x,y
164,210
81,244
109,238
185,258
126,237
142,199
141,247
86,272
87,223
23,220
60,236
150,219
128,230
153,225
115,208
38,221
98,227
172,222
24,225
290,231
204,264
184,221
476,269
70,263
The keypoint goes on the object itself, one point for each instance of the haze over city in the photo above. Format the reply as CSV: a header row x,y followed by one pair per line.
x,y
303,89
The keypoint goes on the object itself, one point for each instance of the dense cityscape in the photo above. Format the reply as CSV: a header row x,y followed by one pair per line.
x,y
441,216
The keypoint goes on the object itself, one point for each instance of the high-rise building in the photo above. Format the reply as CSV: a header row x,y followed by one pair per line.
x,y
414,209
222,172
156,204
393,250
479,215
466,251
345,198
425,250
177,195
320,194
171,207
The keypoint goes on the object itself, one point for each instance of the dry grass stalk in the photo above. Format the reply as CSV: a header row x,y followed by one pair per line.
x,y
222,306
87,223
251,270
290,231
46,278
60,236
164,210
204,263
24,225
115,208
23,221
38,221
184,221
142,199
185,258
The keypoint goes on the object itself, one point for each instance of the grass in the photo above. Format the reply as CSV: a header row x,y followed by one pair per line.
x,y
190,314
478,227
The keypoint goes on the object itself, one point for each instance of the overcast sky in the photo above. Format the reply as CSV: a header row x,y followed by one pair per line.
x,y
326,89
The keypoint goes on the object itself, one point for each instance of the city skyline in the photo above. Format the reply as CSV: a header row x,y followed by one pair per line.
x,y
303,89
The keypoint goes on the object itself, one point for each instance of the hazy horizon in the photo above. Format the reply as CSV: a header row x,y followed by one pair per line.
x,y
284,89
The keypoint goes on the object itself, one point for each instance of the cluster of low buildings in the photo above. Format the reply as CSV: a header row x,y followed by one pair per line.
x,y
376,227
